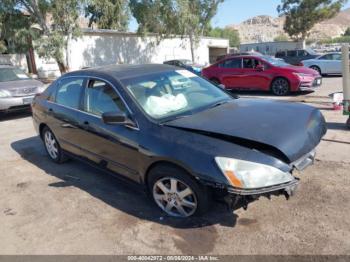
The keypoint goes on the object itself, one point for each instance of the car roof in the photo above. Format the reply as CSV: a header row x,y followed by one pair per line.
x,y
125,70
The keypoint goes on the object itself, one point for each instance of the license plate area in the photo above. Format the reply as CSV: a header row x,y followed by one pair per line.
x,y
27,101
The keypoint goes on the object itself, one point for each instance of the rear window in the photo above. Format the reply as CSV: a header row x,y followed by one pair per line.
x,y
231,63
280,54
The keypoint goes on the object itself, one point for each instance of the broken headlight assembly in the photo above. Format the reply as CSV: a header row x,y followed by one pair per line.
x,y
249,175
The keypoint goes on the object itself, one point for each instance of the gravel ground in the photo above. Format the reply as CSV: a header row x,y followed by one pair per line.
x,y
73,208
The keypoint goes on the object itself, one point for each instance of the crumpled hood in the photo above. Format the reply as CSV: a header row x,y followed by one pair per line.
x,y
292,129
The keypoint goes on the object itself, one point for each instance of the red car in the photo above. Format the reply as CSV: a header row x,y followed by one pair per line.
x,y
262,73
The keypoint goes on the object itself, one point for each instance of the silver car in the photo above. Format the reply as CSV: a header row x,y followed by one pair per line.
x,y
17,89
330,63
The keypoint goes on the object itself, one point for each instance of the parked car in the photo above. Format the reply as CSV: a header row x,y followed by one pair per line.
x,y
185,145
294,57
17,89
237,54
263,73
186,64
330,63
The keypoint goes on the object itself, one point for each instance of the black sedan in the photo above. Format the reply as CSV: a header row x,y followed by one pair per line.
x,y
183,138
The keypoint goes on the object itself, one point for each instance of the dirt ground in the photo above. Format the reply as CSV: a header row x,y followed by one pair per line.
x,y
73,208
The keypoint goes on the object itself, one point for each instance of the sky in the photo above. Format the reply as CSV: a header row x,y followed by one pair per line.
x,y
236,11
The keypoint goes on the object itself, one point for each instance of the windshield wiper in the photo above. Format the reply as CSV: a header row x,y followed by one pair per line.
x,y
219,104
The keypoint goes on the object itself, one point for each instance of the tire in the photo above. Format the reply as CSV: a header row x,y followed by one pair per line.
x,y
176,193
52,146
280,87
316,68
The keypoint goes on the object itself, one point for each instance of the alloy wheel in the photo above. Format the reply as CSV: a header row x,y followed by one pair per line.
x,y
316,68
280,87
51,144
175,197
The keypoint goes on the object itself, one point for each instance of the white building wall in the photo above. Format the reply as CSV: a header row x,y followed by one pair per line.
x,y
104,48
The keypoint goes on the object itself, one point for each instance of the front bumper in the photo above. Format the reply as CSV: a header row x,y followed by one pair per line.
x,y
15,103
310,84
288,188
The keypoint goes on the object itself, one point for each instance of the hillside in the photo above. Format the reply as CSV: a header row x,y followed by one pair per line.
x,y
265,28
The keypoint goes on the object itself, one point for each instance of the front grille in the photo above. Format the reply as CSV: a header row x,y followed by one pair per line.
x,y
24,91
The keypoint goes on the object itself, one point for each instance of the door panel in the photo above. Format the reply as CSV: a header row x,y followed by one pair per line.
x,y
62,113
230,72
252,78
112,146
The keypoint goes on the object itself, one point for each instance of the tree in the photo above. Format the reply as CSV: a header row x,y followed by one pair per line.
x,y
108,14
175,17
347,32
195,17
281,38
231,34
302,15
55,21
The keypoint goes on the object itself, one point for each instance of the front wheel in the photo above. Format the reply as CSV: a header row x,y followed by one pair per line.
x,y
176,193
316,68
280,87
52,147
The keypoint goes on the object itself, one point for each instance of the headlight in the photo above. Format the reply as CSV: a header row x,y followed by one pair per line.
x,y
302,75
249,175
4,93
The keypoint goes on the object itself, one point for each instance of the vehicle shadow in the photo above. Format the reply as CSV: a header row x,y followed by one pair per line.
x,y
127,197
268,94
15,115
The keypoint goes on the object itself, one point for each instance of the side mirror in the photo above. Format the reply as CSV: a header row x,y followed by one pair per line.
x,y
260,68
117,118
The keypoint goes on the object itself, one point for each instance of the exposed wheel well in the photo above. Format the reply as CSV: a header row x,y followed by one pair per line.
x,y
316,66
41,128
164,163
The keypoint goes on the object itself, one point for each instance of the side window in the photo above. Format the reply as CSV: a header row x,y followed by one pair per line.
x,y
302,53
100,98
292,53
231,63
280,54
69,92
327,57
248,63
336,56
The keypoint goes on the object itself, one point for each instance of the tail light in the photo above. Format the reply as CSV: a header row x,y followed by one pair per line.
x,y
300,64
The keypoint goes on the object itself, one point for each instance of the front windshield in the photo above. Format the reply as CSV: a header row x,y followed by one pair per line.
x,y
275,61
12,74
173,94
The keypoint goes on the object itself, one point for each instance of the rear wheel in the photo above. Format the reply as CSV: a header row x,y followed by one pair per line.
x,y
52,147
280,87
176,193
316,68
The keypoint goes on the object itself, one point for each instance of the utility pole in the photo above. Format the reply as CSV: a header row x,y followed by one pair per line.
x,y
346,82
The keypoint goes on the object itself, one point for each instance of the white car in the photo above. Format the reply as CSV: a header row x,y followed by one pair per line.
x,y
330,63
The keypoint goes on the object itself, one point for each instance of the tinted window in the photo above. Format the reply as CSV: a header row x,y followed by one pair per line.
x,y
100,98
69,91
250,63
292,53
280,54
231,63
302,53
331,57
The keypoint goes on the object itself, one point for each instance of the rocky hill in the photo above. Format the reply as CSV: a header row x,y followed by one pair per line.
x,y
265,28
